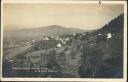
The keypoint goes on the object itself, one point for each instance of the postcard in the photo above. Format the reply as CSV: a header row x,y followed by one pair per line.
x,y
64,41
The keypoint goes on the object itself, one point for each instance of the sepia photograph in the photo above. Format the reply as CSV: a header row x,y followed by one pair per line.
x,y
63,40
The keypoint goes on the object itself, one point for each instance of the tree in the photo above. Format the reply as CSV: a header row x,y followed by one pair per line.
x,y
91,61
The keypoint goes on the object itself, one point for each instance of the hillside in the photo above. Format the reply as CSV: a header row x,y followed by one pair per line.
x,y
105,52
114,26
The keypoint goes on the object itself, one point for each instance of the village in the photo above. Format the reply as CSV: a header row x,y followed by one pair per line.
x,y
54,52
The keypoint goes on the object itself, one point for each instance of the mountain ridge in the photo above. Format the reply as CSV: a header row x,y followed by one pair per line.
x,y
42,31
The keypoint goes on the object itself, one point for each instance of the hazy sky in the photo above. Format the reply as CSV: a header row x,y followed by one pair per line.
x,y
85,16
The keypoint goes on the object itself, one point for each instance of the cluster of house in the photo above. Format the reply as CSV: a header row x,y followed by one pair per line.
x,y
62,40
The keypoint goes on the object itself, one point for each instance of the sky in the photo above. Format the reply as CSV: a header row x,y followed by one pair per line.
x,y
84,16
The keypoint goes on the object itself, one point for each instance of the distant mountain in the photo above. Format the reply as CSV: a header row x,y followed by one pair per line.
x,y
34,33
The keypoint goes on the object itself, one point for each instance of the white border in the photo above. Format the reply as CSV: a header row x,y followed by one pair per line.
x,y
70,79
64,1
